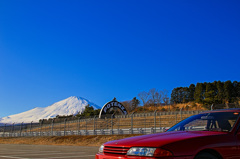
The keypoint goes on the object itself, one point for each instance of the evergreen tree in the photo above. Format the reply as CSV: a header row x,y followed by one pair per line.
x,y
180,95
228,89
199,93
220,93
89,111
209,94
236,91
174,96
185,94
134,103
191,92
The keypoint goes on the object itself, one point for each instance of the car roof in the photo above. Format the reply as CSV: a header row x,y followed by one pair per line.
x,y
222,110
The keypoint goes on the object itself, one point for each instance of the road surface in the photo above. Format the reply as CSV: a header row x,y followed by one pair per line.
x,y
8,151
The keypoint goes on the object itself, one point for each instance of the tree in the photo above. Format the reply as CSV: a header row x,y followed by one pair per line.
x,y
180,95
220,92
134,103
89,111
191,92
209,94
153,94
199,93
144,97
228,89
131,105
236,91
185,91
165,97
159,97
174,96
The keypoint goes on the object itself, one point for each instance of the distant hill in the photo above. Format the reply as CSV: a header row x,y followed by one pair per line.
x,y
69,106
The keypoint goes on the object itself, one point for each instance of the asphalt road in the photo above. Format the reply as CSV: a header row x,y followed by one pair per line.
x,y
46,151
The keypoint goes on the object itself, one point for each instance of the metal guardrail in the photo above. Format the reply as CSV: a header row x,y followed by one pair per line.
x,y
136,123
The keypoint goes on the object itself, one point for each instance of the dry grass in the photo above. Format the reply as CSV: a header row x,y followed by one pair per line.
x,y
91,140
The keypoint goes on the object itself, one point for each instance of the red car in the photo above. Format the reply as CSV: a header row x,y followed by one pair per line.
x,y
208,135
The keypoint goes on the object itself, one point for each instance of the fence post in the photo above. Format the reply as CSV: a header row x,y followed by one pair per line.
x,y
107,123
21,129
79,125
65,120
41,127
12,129
94,124
52,127
112,124
132,123
181,113
68,125
60,129
31,128
86,125
155,121
160,121
175,117
145,124
4,130
118,124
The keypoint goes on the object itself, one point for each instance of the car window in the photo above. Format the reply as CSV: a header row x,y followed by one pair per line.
x,y
197,124
215,121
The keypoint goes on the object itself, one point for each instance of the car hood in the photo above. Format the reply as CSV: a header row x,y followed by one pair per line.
x,y
160,139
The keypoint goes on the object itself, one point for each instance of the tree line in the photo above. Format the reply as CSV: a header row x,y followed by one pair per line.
x,y
154,97
207,93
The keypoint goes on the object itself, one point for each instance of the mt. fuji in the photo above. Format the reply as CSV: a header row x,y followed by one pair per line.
x,y
69,106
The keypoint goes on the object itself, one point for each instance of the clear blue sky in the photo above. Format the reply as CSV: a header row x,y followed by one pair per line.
x,y
53,49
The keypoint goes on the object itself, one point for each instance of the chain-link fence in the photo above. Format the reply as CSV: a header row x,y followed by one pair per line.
x,y
136,123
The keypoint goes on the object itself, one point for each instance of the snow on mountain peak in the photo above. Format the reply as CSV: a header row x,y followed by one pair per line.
x,y
69,106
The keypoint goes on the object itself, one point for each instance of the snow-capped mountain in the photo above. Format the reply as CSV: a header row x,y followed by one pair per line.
x,y
69,106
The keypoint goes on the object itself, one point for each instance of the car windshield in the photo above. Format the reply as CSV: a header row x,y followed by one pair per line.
x,y
216,121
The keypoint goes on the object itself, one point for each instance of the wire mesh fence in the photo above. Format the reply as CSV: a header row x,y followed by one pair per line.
x,y
136,123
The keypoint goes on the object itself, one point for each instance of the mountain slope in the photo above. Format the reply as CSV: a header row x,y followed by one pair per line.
x,y
69,106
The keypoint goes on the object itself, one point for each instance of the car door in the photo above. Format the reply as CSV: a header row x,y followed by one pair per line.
x,y
238,142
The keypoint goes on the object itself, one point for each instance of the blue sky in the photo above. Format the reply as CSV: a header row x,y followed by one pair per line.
x,y
53,49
